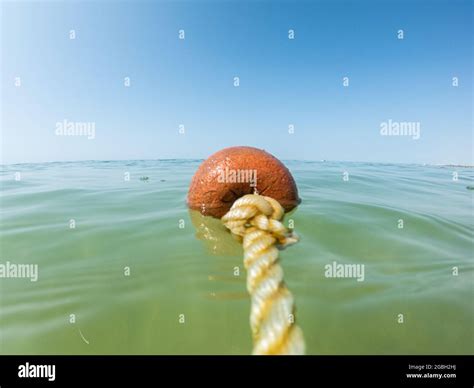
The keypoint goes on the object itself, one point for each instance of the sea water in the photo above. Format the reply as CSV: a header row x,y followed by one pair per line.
x,y
123,267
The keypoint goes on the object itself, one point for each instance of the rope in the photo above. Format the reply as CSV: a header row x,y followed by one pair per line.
x,y
257,220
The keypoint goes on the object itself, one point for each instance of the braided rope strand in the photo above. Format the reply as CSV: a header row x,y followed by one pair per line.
x,y
257,220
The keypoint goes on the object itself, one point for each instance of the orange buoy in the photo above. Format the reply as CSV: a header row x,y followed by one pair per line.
x,y
236,171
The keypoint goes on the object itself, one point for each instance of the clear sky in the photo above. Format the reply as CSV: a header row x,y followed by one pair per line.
x,y
282,81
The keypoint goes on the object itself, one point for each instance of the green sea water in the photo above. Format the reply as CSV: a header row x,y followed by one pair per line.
x,y
140,274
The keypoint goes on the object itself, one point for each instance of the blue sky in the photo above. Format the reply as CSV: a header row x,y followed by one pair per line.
x,y
282,81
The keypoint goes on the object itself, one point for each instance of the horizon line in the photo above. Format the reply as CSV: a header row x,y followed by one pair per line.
x,y
288,160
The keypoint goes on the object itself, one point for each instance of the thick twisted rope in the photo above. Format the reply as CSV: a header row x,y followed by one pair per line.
x,y
257,219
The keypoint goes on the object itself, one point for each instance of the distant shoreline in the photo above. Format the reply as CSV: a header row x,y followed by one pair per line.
x,y
455,165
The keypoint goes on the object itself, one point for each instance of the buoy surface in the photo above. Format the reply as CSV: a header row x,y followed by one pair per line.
x,y
236,171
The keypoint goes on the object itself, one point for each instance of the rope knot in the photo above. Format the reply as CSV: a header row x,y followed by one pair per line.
x,y
254,211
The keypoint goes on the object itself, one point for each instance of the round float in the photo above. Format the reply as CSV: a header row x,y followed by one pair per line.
x,y
236,171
